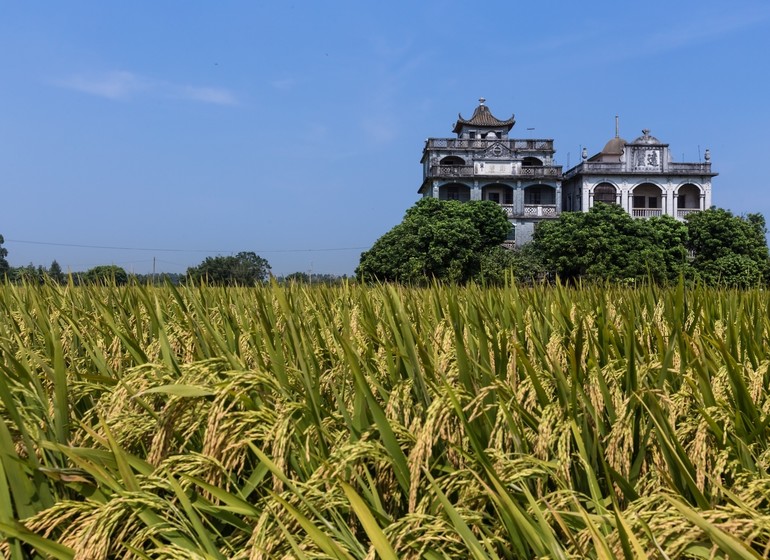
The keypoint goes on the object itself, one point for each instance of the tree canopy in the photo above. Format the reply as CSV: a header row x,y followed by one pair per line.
x,y
244,269
105,274
439,239
4,268
729,249
606,243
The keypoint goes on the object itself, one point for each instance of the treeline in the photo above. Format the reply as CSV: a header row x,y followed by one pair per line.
x,y
243,269
461,242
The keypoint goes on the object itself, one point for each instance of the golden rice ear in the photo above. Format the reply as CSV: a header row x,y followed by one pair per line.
x,y
351,421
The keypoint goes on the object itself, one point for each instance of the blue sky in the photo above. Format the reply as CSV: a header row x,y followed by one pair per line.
x,y
176,130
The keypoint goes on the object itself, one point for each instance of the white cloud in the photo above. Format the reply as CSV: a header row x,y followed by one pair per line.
x,y
283,83
698,30
217,96
112,85
123,85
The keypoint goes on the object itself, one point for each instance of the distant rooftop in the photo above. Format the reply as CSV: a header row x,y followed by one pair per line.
x,y
483,117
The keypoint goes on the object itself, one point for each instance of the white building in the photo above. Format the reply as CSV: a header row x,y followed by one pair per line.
x,y
641,177
483,163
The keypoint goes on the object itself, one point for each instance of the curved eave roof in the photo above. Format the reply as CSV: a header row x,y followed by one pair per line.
x,y
484,118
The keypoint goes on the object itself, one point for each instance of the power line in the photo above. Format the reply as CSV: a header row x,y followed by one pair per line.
x,y
157,250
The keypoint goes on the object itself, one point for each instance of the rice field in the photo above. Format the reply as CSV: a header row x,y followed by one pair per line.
x,y
384,422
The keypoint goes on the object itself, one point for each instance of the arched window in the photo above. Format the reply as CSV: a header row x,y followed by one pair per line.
x,y
604,192
452,160
539,194
497,192
454,191
531,162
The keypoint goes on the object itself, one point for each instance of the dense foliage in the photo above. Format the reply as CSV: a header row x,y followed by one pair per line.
x,y
606,243
439,239
104,274
727,248
244,269
3,262
354,422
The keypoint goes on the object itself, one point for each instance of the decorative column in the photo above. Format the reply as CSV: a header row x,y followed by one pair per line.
x,y
475,191
624,200
518,200
676,205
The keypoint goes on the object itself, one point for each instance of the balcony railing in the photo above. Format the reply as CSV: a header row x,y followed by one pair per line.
x,y
615,167
646,212
540,210
682,212
467,171
689,168
508,209
534,145
451,171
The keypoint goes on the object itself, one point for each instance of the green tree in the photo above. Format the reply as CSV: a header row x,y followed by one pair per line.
x,y
443,240
105,274
4,267
55,273
527,263
244,269
607,243
728,249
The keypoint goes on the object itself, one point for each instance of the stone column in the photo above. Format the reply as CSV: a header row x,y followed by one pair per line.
x,y
518,200
676,205
475,191
624,198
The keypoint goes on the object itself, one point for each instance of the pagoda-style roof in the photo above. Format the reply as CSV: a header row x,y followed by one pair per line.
x,y
482,117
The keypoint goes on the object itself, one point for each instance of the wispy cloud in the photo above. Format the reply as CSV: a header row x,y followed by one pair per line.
x,y
112,85
698,30
123,85
217,96
283,83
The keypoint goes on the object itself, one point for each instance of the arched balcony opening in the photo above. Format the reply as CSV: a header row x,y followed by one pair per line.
x,y
454,191
499,193
540,200
646,201
606,193
688,200
452,160
451,166
530,161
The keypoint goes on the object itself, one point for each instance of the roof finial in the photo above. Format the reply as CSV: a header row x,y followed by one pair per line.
x,y
481,100
617,126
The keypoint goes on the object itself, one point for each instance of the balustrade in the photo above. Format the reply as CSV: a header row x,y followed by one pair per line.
x,y
467,171
682,212
646,212
538,145
540,210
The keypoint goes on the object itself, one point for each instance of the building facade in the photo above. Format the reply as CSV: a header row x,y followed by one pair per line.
x,y
484,163
641,177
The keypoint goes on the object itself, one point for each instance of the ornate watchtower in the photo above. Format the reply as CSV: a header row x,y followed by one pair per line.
x,y
483,163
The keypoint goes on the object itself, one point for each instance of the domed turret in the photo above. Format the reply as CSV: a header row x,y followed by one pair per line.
x,y
614,147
